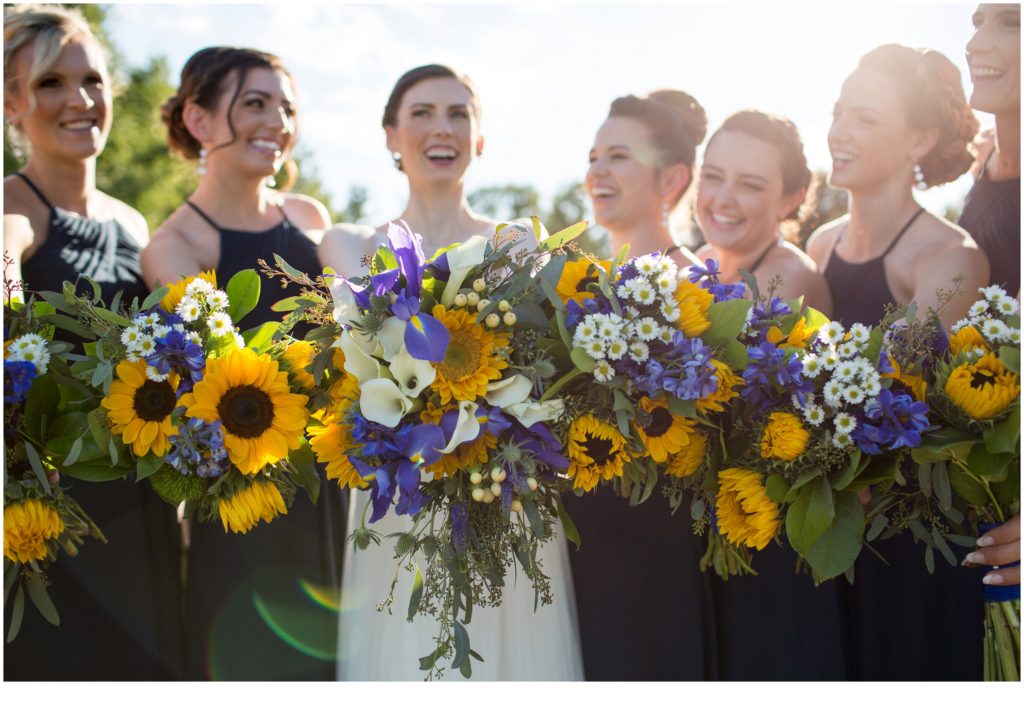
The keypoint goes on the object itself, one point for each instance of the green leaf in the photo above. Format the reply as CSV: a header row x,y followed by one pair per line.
x,y
37,592
810,515
727,320
96,471
417,594
63,322
42,400
874,349
17,614
37,466
290,304
878,523
529,315
1004,436
986,465
154,298
563,237
837,548
111,318
11,570
682,407
924,479
776,487
260,338
461,645
1011,358
581,360
306,476
147,465
568,525
292,271
73,452
941,485
427,662
533,516
243,293
943,547
849,472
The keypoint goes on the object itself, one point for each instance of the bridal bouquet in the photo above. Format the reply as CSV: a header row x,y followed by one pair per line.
x,y
972,462
203,413
438,410
41,402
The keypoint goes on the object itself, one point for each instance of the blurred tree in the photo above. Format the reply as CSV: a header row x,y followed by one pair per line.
x,y
506,202
355,208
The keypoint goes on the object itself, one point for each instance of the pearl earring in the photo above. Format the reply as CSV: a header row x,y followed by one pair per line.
x,y
201,168
919,182
396,158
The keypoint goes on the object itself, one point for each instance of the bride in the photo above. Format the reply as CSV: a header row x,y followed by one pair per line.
x,y
432,125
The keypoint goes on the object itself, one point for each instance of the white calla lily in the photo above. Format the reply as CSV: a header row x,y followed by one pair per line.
x,y
511,390
467,428
381,401
529,413
461,260
391,337
412,375
358,362
346,311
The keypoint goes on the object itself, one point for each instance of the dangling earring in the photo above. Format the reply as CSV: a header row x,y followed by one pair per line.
x,y
270,181
201,168
396,158
919,182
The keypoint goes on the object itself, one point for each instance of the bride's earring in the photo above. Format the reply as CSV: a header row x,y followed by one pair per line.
x,y
396,158
201,168
919,182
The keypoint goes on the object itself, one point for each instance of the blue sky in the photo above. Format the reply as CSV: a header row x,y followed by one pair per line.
x,y
546,72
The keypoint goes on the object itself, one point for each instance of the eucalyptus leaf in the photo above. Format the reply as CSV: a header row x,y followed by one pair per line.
x,y
568,525
878,523
17,614
37,592
73,452
941,484
304,462
416,595
37,467
111,318
563,237
155,297
943,547
461,644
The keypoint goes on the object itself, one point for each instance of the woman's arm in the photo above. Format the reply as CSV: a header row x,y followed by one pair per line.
x,y
934,275
167,258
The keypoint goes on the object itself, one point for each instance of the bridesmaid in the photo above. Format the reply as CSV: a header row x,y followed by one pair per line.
x,y
902,117
751,194
118,601
432,127
643,615
235,111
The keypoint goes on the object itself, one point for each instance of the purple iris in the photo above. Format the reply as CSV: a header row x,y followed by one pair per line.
x,y
891,421
425,337
18,376
414,447
763,316
175,351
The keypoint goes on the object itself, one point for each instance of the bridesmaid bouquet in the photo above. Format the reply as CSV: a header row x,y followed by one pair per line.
x,y
204,413
41,405
438,409
972,462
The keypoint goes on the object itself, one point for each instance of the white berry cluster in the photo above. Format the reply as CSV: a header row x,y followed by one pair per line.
x,y
848,379
994,317
30,348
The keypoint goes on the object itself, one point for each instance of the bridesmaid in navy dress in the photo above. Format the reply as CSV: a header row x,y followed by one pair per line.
x,y
644,606
902,118
247,616
118,601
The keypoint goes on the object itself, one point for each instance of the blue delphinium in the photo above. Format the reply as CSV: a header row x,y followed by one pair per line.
x,y
683,370
707,278
764,316
772,379
198,448
18,376
890,421
176,351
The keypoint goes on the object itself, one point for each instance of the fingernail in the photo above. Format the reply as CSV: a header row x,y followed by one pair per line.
x,y
992,578
985,541
975,558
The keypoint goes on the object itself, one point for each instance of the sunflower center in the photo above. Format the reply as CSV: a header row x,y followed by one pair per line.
x,y
982,378
246,411
661,421
581,286
599,449
154,401
463,356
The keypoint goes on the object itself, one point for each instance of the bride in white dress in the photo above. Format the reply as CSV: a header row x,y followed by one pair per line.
x,y
431,123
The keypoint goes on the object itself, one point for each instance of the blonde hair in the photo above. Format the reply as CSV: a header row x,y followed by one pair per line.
x,y
48,29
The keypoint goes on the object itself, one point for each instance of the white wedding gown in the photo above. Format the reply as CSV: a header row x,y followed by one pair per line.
x,y
516,642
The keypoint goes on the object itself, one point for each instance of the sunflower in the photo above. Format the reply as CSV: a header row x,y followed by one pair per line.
x,y
966,339
262,420
690,458
296,358
798,336
984,388
915,383
597,451
28,525
693,302
332,441
717,400
177,291
466,455
784,437
244,509
472,359
140,409
746,516
666,434
577,275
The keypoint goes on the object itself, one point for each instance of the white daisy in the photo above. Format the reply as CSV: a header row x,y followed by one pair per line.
x,y
646,265
1014,336
813,414
860,333
853,394
153,375
978,308
595,349
871,386
845,371
639,351
829,359
833,391
667,265
831,332
963,323
219,324
130,335
993,293
199,287
218,299
646,329
812,365
666,283
845,423
995,330
603,372
188,309
144,346
643,292
670,312
842,440
616,348
666,334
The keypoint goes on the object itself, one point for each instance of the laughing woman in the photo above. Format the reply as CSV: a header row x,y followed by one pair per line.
x,y
118,601
235,111
432,126
902,117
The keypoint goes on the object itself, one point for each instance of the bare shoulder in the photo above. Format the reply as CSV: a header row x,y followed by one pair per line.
x,y
821,242
130,218
344,245
18,233
940,234
306,212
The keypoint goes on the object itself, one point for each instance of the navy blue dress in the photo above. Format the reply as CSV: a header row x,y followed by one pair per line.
x,y
253,604
118,601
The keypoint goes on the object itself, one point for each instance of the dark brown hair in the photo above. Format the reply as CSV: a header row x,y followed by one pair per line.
x,y
676,122
418,75
782,134
204,81
933,97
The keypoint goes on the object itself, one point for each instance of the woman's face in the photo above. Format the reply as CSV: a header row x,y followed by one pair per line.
x,y
870,139
740,198
436,132
993,55
264,120
73,104
623,180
